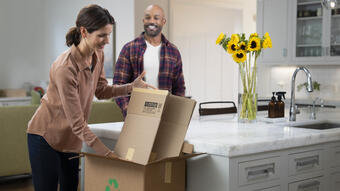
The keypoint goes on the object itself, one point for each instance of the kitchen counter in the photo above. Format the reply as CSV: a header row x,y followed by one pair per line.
x,y
256,156
223,135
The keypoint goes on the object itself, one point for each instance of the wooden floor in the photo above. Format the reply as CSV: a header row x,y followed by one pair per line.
x,y
22,184
17,184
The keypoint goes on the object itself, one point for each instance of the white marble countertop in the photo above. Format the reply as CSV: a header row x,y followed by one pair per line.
x,y
223,135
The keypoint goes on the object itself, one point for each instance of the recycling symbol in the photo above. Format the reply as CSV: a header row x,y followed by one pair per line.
x,y
112,184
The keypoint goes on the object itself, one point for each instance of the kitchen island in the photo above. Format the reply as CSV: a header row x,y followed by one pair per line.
x,y
255,156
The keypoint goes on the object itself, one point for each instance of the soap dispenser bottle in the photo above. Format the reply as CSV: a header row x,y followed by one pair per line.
x,y
280,104
272,107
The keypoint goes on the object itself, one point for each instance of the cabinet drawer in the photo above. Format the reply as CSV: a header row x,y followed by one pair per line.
x,y
313,184
14,103
276,188
335,156
261,170
305,162
335,181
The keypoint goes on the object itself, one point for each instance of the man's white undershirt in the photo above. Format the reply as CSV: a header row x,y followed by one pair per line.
x,y
151,63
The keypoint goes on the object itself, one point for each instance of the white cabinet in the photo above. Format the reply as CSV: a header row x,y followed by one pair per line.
x,y
308,168
303,32
316,33
261,170
276,188
335,182
309,29
304,162
335,155
15,101
272,17
313,184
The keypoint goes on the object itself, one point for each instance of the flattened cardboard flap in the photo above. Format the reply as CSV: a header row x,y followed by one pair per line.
x,y
137,138
173,127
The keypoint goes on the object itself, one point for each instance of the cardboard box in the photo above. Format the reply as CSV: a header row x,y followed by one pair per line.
x,y
149,146
108,174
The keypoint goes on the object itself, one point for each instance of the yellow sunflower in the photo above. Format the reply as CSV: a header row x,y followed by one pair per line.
x,y
220,38
254,44
232,47
267,42
242,46
235,38
239,56
254,35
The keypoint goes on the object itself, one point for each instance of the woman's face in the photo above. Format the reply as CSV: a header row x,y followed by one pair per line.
x,y
99,38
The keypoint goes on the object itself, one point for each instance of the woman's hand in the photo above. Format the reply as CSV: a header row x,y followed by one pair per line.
x,y
112,155
139,83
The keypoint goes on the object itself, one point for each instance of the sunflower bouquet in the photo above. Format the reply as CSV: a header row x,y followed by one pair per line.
x,y
245,53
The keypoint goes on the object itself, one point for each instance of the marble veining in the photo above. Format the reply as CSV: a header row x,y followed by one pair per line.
x,y
223,135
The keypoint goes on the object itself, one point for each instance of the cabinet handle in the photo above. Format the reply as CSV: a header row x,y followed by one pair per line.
x,y
314,184
284,52
307,162
323,51
327,51
260,171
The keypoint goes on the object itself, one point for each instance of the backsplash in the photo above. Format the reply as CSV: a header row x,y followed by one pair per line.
x,y
278,78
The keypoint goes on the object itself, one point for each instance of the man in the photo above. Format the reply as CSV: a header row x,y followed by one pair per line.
x,y
153,53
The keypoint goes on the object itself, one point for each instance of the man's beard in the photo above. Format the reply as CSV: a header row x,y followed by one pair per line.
x,y
152,33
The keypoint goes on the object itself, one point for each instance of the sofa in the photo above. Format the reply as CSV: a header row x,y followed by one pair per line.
x,y
13,141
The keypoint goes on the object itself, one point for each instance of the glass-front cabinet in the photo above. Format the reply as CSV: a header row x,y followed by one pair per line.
x,y
317,33
335,33
303,32
309,31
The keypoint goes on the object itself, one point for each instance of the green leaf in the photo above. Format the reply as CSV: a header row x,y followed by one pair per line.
x,y
316,86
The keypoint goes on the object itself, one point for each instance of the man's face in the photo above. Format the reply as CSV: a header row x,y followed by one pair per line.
x,y
153,21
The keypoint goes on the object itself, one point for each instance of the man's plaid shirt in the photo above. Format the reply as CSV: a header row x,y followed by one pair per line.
x,y
130,65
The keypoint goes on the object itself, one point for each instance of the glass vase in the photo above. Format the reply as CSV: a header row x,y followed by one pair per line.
x,y
247,107
247,96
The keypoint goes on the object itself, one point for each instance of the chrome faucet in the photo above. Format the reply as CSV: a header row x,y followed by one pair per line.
x,y
293,107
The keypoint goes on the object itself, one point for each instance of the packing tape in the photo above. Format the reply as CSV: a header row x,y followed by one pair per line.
x,y
130,153
153,156
187,148
168,167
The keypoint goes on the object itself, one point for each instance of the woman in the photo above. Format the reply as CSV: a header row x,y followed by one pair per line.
x,y
59,126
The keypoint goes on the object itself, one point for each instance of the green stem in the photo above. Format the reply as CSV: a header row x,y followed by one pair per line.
x,y
249,97
242,77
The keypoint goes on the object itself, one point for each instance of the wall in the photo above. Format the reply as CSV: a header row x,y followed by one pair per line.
x,y
38,27
33,35
22,42
210,73
275,78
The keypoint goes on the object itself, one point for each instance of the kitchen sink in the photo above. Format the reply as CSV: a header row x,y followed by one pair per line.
x,y
319,126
